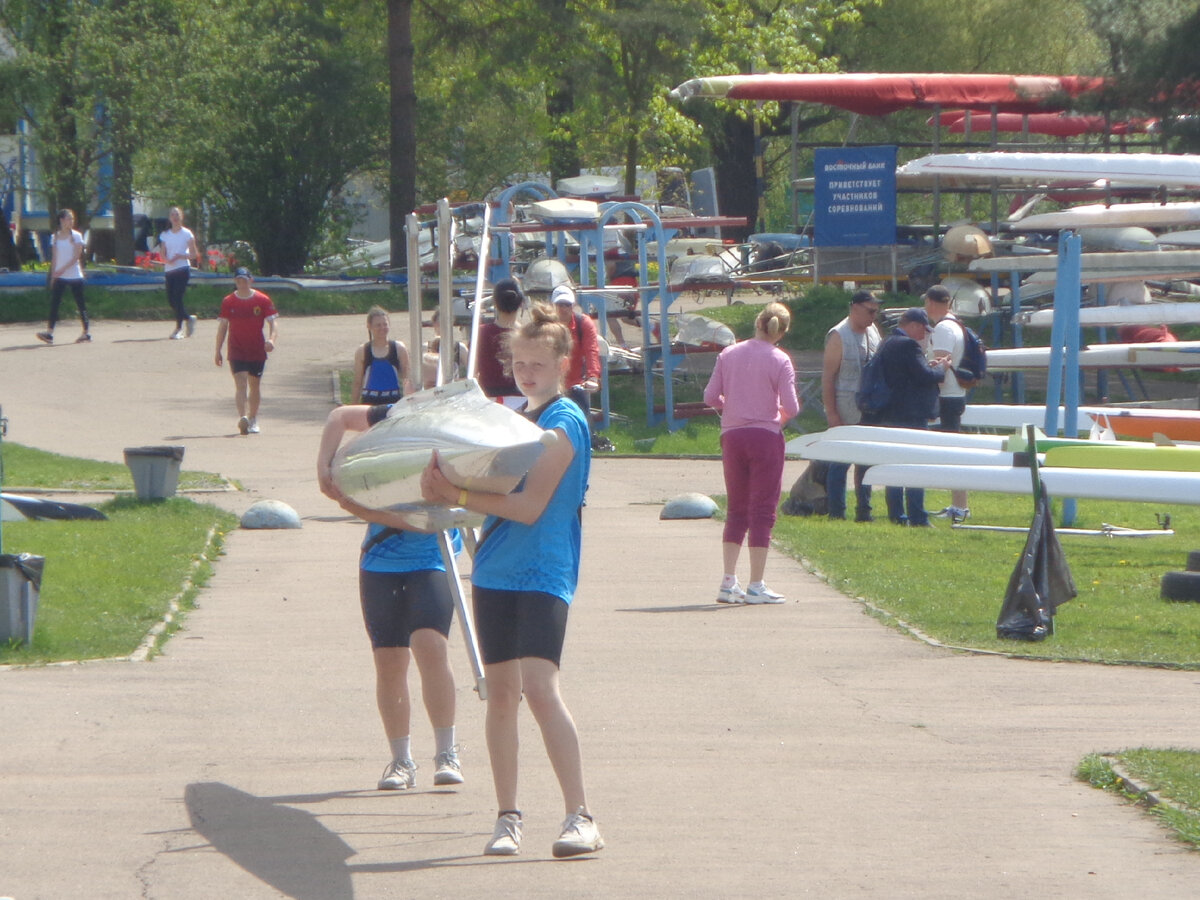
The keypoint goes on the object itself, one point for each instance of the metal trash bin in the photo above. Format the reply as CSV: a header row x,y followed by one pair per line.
x,y
20,585
155,470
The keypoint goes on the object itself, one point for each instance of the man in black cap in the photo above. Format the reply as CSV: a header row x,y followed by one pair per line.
x,y
913,384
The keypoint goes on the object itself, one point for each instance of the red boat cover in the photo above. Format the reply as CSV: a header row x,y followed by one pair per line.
x,y
1055,124
876,94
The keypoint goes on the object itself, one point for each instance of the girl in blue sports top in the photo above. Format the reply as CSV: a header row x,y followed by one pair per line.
x,y
381,367
407,608
523,579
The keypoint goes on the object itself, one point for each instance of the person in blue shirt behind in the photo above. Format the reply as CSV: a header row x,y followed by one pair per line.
x,y
523,580
407,608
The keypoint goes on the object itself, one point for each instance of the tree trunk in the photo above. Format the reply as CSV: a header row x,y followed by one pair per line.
x,y
9,257
564,151
402,155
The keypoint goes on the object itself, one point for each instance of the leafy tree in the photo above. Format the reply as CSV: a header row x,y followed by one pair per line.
x,y
288,96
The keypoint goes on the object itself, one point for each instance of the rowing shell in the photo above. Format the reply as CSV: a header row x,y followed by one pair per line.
x,y
877,433
1013,443
1134,169
1096,455
1097,215
1096,484
1016,415
1137,314
865,453
1175,424
481,445
1183,354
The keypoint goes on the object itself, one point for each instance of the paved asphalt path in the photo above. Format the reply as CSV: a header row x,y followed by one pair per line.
x,y
798,750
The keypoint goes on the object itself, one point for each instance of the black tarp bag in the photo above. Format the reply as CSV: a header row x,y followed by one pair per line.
x,y
1040,583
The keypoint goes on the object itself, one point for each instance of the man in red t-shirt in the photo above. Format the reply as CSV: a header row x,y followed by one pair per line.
x,y
242,316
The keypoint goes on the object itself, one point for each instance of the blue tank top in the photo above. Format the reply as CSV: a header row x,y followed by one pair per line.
x,y
381,383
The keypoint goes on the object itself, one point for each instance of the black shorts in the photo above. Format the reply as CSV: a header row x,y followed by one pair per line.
x,y
253,368
395,604
515,624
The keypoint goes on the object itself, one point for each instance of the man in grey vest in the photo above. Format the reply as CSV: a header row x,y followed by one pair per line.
x,y
848,346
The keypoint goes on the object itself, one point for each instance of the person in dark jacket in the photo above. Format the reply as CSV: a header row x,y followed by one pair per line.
x,y
913,382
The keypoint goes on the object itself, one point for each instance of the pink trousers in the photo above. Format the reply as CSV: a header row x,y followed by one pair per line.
x,y
752,459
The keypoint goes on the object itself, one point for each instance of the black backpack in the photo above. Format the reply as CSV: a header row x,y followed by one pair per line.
x,y
874,394
973,365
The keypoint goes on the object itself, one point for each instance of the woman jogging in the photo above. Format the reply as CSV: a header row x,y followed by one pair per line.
x,y
178,247
66,271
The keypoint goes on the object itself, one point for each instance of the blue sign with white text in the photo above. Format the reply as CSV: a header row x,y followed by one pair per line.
x,y
854,196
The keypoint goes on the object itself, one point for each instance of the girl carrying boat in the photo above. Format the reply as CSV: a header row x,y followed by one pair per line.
x,y
523,579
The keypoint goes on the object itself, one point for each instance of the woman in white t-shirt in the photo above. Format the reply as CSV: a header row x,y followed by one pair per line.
x,y
66,270
178,248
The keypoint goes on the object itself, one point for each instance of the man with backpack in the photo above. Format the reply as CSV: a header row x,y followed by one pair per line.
x,y
949,341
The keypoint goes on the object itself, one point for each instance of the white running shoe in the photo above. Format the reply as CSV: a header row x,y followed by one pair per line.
x,y
400,775
177,335
253,427
244,425
506,836
579,835
190,324
449,770
763,594
734,594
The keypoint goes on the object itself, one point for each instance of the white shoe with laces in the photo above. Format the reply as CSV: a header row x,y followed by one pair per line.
x,y
763,594
732,594
449,770
506,836
579,835
400,775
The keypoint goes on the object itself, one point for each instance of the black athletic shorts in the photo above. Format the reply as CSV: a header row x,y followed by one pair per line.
x,y
395,604
250,367
514,624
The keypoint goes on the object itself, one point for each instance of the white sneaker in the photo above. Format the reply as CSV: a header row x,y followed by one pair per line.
x,y
190,324
449,770
734,594
579,835
252,428
177,336
244,425
400,775
763,594
506,836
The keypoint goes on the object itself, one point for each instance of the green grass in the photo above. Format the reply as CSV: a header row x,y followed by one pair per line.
x,y
1172,775
25,467
202,300
950,584
107,583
